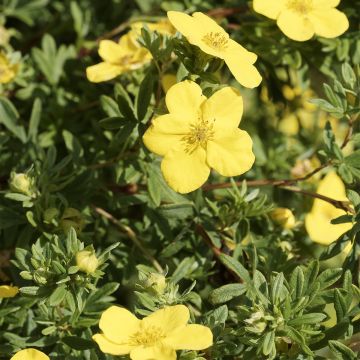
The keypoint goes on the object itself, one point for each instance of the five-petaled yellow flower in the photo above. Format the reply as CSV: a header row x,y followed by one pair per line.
x,y
157,336
30,354
318,221
7,291
199,134
7,70
202,31
301,19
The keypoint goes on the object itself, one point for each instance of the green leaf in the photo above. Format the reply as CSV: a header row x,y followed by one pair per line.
x,y
35,120
144,95
113,123
277,290
329,277
226,293
297,280
307,319
268,342
341,351
235,267
58,295
353,159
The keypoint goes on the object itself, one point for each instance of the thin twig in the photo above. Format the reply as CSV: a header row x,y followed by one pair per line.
x,y
131,235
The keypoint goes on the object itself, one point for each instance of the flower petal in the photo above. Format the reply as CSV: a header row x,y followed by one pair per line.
x,y
159,352
118,324
185,172
295,26
319,227
184,99
103,72
329,23
230,153
109,347
182,22
271,9
7,291
169,318
30,354
165,132
190,337
110,51
244,72
224,108
325,3
235,49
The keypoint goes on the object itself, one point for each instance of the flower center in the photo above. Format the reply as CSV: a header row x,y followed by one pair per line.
x,y
147,336
199,134
216,40
302,7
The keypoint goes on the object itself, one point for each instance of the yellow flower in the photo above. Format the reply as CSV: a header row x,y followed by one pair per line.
x,y
284,217
318,221
119,58
202,31
301,19
87,261
7,291
7,70
30,354
157,336
163,26
199,134
167,81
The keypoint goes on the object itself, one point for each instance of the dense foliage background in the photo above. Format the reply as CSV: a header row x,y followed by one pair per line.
x,y
265,289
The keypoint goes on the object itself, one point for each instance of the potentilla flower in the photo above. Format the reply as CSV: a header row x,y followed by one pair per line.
x,y
301,19
7,70
30,354
199,134
119,58
284,217
7,291
202,31
157,336
318,221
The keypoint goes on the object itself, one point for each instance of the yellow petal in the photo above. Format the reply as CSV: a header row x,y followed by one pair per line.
x,y
158,352
128,43
325,3
109,347
235,49
110,51
332,185
230,153
244,72
319,227
190,337
118,324
185,172
224,108
182,22
271,9
329,23
103,72
185,99
169,318
289,125
30,354
165,133
7,291
295,26
167,81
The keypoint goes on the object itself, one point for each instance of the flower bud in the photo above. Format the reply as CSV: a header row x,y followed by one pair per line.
x,y
21,183
283,217
87,261
156,282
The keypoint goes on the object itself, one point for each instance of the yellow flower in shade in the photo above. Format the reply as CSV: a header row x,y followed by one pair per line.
x,y
157,336
7,70
163,26
7,291
30,354
167,81
202,31
199,134
284,217
318,221
119,58
301,19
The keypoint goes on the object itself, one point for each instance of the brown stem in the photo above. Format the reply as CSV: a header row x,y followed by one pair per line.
x,y
131,235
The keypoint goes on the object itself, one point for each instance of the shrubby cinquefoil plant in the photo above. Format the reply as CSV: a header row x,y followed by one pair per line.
x,y
139,219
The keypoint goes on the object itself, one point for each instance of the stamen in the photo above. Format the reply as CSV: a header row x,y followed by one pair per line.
x,y
147,336
216,40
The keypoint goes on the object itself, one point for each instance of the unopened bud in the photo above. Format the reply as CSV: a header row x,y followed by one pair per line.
x,y
156,282
87,261
284,217
21,183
